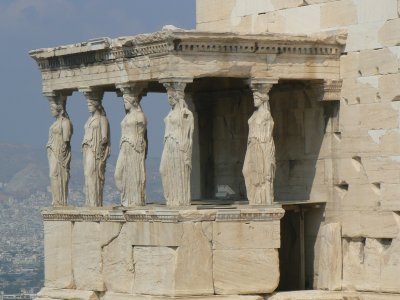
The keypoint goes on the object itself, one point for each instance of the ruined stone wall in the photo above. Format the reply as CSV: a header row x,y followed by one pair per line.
x,y
365,150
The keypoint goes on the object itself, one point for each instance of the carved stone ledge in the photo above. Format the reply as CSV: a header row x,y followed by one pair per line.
x,y
158,216
249,215
244,214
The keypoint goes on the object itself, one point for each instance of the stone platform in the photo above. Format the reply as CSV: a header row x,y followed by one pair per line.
x,y
328,295
156,251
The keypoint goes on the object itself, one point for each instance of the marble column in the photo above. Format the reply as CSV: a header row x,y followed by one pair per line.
x,y
176,160
130,171
259,163
59,148
95,148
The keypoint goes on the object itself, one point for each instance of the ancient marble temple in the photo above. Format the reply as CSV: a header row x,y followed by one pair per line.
x,y
247,111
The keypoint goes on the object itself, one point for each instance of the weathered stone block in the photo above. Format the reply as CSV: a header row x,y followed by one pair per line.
x,y
154,269
86,256
375,62
192,278
249,271
248,8
390,143
330,258
381,171
319,192
338,14
362,90
114,296
296,23
282,4
379,116
307,295
364,36
390,279
349,170
349,115
240,235
358,196
362,223
389,87
117,259
372,11
310,2
244,25
390,196
58,255
389,33
213,10
371,265
154,233
349,66
66,294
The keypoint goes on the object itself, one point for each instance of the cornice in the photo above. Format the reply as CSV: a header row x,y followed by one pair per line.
x,y
106,50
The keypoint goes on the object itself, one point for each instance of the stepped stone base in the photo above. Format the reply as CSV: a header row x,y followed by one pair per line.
x,y
69,294
327,295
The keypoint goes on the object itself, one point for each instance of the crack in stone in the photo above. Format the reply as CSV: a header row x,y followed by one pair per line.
x,y
72,258
113,238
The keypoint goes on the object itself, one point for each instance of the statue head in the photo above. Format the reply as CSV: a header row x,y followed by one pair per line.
x,y
95,106
173,98
260,98
57,110
131,101
176,93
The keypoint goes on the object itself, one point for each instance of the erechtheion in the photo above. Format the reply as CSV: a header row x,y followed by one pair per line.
x,y
281,159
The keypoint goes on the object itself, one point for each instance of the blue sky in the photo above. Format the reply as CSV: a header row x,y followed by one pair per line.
x,y
31,24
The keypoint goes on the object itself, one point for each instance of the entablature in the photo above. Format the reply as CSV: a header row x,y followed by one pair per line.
x,y
192,54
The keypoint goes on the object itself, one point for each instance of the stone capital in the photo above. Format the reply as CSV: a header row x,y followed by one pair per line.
x,y
176,80
92,94
134,89
261,87
57,97
331,90
262,84
177,84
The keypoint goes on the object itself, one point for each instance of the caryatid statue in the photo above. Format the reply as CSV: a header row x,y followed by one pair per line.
x,y
59,150
259,163
176,159
130,171
95,148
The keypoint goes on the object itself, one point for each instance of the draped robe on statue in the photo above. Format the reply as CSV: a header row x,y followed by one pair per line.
x,y
259,162
59,156
96,150
176,160
130,172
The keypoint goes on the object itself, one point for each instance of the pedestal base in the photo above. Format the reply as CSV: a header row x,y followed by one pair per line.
x,y
162,252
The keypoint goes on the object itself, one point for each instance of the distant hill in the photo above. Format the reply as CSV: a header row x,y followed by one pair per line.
x,y
27,181
24,171
14,158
